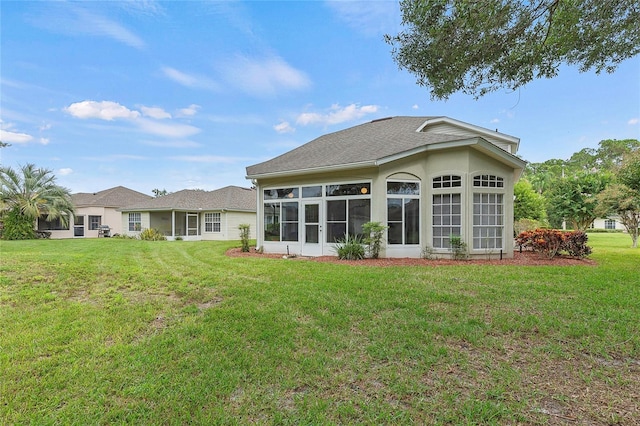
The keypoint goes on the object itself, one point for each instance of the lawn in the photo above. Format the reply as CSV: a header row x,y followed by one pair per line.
x,y
109,331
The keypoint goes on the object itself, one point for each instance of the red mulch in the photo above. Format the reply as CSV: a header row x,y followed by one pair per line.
x,y
526,258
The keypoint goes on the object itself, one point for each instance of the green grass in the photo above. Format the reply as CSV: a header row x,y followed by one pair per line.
x,y
109,331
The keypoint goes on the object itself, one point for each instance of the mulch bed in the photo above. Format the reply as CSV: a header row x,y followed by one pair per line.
x,y
526,258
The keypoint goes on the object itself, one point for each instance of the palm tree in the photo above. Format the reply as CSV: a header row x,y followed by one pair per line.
x,y
31,193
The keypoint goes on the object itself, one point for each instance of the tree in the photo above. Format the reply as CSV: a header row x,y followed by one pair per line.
x,y
481,46
624,202
629,172
31,193
574,198
159,192
528,203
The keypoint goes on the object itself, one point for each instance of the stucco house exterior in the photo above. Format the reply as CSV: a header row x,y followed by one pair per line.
x,y
609,223
426,178
92,211
194,214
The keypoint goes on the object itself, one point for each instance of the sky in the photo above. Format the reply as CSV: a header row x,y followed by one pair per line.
x,y
187,94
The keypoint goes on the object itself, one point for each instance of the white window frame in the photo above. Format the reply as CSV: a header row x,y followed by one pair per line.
x,y
404,198
446,184
212,222
135,219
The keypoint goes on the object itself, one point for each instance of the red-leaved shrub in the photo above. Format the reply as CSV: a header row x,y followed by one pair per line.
x,y
551,242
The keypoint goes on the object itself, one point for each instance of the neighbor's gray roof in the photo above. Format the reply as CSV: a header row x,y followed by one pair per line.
x,y
364,143
229,198
116,197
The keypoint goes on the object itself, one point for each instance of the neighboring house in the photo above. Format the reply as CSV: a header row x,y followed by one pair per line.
x,y
194,214
426,178
93,210
611,223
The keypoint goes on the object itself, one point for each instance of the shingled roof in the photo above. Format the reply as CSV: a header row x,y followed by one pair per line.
x,y
116,197
367,143
227,198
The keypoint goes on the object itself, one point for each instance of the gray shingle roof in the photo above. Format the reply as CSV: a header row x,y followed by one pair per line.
x,y
228,198
116,197
363,143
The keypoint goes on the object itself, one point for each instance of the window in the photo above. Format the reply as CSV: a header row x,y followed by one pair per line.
x,y
347,216
281,221
609,224
447,218
447,181
54,225
312,191
488,181
488,220
282,193
348,189
95,222
403,212
212,222
135,222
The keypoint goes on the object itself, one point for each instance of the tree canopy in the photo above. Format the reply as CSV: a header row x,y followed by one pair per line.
x,y
30,193
477,47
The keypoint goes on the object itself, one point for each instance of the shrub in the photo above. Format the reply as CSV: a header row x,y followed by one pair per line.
x,y
152,234
374,235
458,247
550,242
244,236
523,225
350,248
18,226
576,244
427,252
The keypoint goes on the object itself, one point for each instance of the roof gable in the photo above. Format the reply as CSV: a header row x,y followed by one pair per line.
x,y
115,197
370,143
227,198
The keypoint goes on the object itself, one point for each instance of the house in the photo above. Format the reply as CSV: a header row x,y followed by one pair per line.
x,y
609,223
193,214
92,211
425,178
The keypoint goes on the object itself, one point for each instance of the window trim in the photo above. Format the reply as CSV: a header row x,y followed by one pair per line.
x,y
210,218
403,201
135,218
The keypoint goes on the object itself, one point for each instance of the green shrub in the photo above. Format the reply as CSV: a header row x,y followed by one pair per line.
x,y
523,225
18,226
350,248
373,232
458,247
244,236
152,234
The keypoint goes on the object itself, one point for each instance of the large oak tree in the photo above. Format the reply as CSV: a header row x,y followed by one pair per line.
x,y
477,47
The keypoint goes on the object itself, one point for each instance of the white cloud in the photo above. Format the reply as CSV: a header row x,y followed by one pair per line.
x,y
14,137
371,18
70,19
154,112
190,80
415,106
44,141
336,115
105,110
65,171
284,127
494,121
633,121
167,130
173,144
189,111
207,159
267,76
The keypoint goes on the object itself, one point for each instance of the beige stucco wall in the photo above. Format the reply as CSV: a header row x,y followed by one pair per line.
x,y
110,216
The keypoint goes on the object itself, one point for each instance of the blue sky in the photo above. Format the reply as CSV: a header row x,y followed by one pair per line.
x,y
186,94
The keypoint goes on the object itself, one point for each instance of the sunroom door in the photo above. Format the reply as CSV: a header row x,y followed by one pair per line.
x,y
312,228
